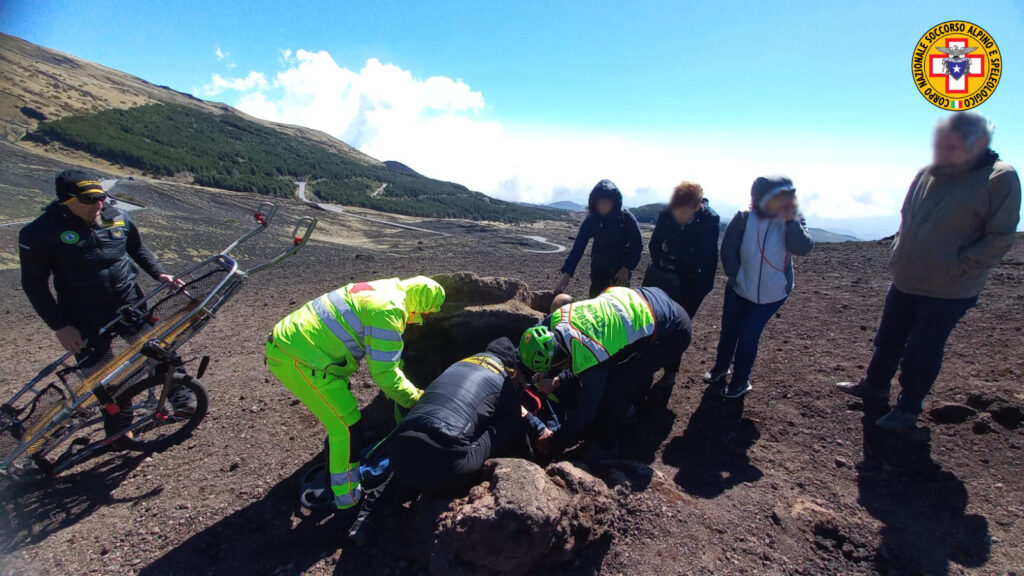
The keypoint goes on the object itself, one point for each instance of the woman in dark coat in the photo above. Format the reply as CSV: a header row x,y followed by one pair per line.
x,y
617,242
684,248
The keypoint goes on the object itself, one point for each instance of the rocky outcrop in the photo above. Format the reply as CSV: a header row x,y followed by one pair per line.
x,y
476,311
521,519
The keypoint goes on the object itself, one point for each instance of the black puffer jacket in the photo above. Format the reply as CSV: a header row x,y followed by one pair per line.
x,y
90,264
690,251
617,240
472,396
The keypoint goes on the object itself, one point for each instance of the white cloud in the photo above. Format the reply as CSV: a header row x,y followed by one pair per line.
x,y
223,56
438,126
218,84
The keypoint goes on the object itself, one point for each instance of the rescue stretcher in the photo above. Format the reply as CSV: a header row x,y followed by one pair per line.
x,y
139,390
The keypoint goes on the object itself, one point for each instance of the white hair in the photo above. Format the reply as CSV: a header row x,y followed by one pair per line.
x,y
971,126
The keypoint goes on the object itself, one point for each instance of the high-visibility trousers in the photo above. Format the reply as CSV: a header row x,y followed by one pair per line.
x,y
325,392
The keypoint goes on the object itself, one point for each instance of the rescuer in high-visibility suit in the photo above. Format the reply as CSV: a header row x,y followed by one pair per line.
x,y
315,350
610,346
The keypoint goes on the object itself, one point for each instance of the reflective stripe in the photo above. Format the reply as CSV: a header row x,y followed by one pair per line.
x,y
385,355
632,334
348,500
342,479
384,334
331,321
346,312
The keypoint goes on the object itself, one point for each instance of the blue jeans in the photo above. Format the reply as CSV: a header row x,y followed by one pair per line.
x,y
742,324
912,337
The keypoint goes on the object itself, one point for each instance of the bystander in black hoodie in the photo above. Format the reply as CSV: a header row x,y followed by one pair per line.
x,y
617,241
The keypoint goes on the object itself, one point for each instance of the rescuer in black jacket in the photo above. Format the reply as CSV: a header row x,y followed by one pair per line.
x,y
87,246
467,414
471,412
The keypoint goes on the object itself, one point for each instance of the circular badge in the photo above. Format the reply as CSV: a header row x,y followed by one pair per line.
x,y
956,65
69,237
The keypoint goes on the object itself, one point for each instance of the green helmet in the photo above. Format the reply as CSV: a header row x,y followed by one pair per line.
x,y
537,348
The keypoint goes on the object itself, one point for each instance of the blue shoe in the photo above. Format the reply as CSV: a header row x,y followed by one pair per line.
x,y
897,421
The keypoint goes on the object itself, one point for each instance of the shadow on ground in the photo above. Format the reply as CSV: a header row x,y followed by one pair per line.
x,y
275,535
37,510
711,455
922,506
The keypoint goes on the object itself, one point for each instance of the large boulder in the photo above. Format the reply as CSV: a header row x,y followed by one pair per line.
x,y
521,519
476,311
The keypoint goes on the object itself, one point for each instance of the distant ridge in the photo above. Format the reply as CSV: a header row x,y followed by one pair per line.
x,y
568,205
63,106
648,214
396,166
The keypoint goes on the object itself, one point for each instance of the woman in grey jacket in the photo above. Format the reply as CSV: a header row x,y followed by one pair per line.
x,y
757,256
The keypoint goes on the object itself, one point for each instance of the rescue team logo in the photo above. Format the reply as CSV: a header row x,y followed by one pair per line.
x,y
69,237
956,65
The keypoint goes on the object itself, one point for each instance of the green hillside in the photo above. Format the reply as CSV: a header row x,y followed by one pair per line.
x,y
648,213
227,151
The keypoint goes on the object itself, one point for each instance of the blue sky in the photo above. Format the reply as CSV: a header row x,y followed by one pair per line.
x,y
538,100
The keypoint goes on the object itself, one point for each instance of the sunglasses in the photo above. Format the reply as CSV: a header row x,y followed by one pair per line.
x,y
92,199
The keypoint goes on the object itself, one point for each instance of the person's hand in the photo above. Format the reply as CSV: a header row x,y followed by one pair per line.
x,y
545,443
622,277
71,339
790,211
562,283
548,385
168,279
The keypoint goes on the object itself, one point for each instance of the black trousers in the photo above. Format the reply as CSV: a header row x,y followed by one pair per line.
x,y
912,337
602,279
632,380
438,467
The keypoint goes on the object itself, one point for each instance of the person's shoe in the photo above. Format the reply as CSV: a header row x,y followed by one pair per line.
x,y
717,377
317,498
897,421
864,390
668,380
736,389
363,531
183,401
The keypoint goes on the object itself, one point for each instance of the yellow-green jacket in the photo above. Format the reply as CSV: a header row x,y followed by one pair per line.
x,y
366,319
595,330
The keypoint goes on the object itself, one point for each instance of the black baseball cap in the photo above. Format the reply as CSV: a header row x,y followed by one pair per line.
x,y
78,184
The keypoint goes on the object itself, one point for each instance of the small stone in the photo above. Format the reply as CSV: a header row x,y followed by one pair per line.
x,y
841,462
983,424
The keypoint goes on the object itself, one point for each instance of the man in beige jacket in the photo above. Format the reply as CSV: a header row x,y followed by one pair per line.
x,y
959,219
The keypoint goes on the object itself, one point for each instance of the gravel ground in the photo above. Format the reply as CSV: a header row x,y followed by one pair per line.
x,y
797,481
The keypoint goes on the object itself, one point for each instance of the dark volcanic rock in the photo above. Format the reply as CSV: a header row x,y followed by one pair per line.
x,y
1008,415
521,518
476,311
951,413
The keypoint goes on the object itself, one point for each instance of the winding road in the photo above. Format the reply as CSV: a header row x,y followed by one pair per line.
x,y
555,248
301,193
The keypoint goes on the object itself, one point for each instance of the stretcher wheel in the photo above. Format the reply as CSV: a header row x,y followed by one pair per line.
x,y
185,409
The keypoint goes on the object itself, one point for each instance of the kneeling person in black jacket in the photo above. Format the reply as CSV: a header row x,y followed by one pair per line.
x,y
470,413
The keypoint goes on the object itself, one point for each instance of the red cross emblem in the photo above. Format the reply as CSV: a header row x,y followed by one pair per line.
x,y
956,85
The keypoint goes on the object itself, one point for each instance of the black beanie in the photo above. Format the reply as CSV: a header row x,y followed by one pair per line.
x,y
73,183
